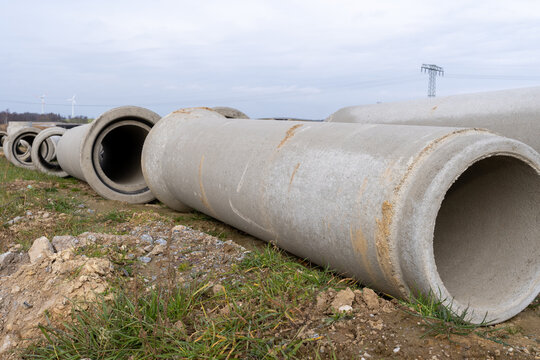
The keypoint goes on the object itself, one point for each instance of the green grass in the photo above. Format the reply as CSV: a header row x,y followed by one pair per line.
x,y
263,297
439,318
54,195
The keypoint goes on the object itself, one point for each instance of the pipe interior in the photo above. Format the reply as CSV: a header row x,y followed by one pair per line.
x,y
486,241
23,147
120,155
47,161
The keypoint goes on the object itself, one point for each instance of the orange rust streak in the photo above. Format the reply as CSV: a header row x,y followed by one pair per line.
x,y
360,247
289,134
292,176
425,151
382,239
204,199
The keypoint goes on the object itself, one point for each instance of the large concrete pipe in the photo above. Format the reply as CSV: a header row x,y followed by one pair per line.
x,y
230,112
18,147
46,138
107,153
401,208
512,113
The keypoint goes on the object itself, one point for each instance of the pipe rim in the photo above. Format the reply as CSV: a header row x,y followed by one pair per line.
x,y
491,148
27,134
97,178
46,163
127,188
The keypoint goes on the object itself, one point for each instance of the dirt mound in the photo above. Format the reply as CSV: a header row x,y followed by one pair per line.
x,y
43,291
43,285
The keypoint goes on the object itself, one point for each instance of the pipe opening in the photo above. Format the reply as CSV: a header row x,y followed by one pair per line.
x,y
117,157
486,242
23,148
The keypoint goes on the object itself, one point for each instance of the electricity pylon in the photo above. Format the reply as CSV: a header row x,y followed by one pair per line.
x,y
433,71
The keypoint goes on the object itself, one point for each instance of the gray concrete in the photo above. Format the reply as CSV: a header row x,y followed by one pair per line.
x,y
512,113
14,126
3,136
401,208
18,147
107,153
230,112
48,164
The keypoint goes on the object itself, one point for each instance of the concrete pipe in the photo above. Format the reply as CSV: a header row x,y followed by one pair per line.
x,y
401,208
23,150
512,113
47,138
3,136
230,112
14,126
18,147
107,153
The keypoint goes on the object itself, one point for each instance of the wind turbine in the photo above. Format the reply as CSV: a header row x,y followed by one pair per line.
x,y
42,97
73,102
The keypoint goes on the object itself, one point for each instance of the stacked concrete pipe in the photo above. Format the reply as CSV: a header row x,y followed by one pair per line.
x,y
107,153
513,113
441,210
48,165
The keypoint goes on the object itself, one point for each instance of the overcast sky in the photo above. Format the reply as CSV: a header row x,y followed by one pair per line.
x,y
298,58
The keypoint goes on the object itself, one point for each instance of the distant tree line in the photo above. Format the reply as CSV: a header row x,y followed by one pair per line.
x,y
6,116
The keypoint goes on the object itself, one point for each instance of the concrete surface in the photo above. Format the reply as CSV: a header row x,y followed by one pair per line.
x,y
107,153
513,113
401,208
48,165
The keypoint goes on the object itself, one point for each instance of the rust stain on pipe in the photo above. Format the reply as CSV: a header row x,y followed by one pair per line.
x,y
204,199
360,247
289,134
292,176
382,240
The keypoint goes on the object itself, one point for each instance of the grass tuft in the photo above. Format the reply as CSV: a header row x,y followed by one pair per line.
x,y
439,318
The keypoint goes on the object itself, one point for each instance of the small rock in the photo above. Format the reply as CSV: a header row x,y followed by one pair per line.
x,y
179,228
345,309
147,238
343,297
46,215
15,289
40,249
322,300
64,242
161,241
158,249
218,289
27,305
148,248
370,298
97,266
6,258
145,259
396,349
16,248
